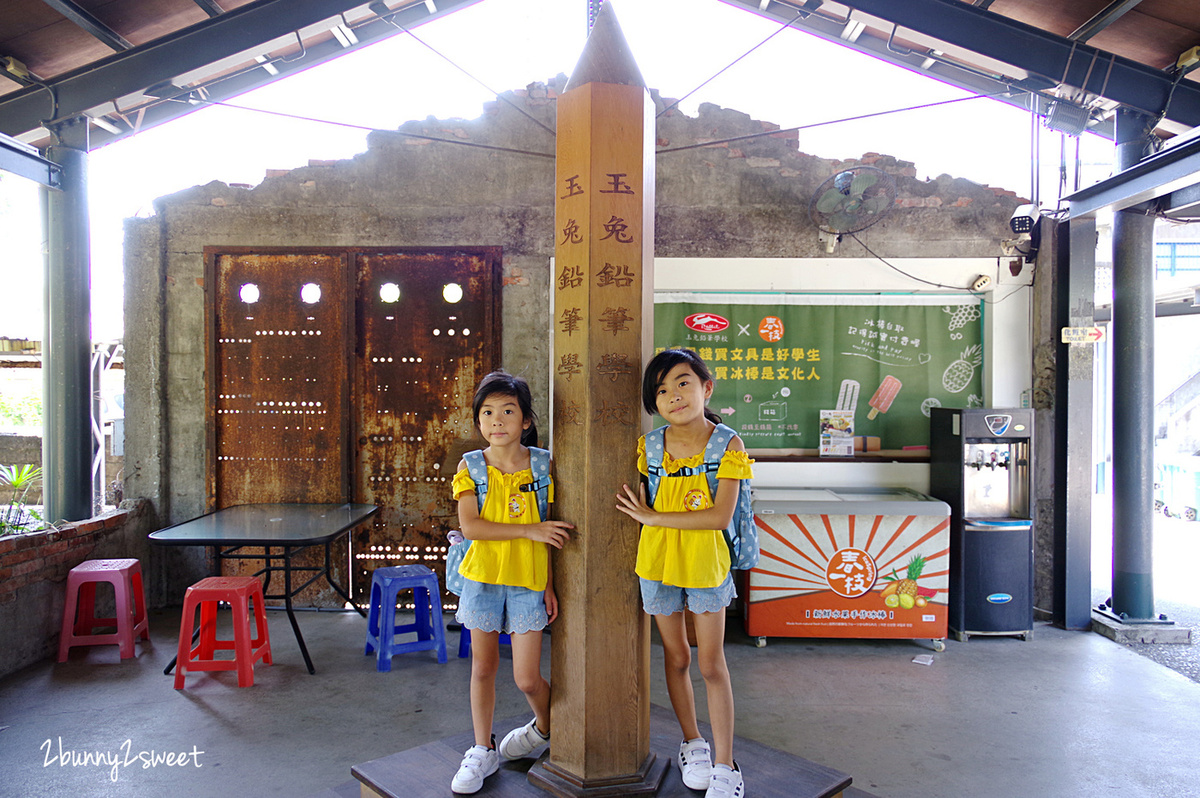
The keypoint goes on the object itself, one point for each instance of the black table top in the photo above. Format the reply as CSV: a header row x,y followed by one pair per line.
x,y
267,525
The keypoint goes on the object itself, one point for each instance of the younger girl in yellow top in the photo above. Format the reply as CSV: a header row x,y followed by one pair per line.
x,y
683,560
508,586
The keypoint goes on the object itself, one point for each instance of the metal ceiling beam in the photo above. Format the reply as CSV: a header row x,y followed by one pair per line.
x,y
23,160
1116,9
94,27
1042,53
210,7
1172,170
189,49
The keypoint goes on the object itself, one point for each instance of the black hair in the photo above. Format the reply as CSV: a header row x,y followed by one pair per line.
x,y
661,365
501,383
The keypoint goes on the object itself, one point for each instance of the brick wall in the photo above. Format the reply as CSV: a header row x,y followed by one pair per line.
x,y
33,573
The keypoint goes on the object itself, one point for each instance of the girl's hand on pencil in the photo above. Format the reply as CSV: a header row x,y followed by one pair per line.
x,y
634,504
553,532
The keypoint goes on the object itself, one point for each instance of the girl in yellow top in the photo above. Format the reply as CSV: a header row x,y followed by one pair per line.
x,y
683,560
508,583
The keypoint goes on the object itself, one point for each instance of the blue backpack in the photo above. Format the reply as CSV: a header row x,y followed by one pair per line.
x,y
742,534
539,464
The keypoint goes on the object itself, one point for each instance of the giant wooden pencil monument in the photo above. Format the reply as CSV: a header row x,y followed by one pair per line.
x,y
603,281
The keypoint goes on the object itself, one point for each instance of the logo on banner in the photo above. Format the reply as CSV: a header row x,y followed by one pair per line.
x,y
997,425
770,329
706,322
850,572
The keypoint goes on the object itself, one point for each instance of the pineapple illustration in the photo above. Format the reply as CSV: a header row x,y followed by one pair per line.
x,y
903,592
958,375
908,585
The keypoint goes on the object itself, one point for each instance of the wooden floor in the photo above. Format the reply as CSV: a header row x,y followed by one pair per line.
x,y
428,769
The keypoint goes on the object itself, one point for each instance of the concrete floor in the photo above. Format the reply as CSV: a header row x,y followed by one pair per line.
x,y
1065,714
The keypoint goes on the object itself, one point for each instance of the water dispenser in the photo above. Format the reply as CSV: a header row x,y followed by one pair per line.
x,y
980,465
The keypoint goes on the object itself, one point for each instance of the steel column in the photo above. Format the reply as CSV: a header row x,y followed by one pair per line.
x,y
67,442
1075,267
1133,397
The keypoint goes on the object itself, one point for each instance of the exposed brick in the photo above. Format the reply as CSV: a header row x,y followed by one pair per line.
x,y
82,540
91,525
116,520
759,162
21,555
28,567
7,544
735,153
933,202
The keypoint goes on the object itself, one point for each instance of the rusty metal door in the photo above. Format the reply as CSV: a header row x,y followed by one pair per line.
x,y
428,330
347,374
278,386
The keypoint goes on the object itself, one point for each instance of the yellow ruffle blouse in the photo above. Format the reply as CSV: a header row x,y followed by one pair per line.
x,y
686,557
519,562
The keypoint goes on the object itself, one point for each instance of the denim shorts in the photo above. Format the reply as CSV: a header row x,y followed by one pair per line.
x,y
660,599
501,608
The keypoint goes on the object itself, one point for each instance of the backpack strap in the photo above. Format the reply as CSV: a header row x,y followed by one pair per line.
x,y
718,442
477,469
656,447
539,464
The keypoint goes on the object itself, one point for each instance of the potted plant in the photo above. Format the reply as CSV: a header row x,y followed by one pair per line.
x,y
17,481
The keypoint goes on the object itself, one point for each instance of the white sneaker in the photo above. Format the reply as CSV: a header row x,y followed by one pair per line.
x,y
695,761
725,782
523,741
478,763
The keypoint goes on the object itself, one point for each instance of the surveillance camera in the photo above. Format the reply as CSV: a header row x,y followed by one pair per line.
x,y
1023,219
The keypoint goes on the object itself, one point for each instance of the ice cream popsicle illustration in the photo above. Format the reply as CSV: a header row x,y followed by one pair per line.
x,y
848,396
884,396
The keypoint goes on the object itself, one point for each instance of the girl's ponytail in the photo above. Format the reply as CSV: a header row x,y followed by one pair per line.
x,y
711,416
530,436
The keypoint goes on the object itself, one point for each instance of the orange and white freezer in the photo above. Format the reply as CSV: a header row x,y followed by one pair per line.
x,y
836,563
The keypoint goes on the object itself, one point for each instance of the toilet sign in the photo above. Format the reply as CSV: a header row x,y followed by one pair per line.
x,y
1083,335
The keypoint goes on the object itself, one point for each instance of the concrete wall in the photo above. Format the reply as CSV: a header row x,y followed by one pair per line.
x,y
743,200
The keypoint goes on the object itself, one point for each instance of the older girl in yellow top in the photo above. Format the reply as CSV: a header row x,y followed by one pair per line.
x,y
683,560
508,586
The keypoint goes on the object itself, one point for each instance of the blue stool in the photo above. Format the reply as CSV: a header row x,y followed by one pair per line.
x,y
429,626
464,642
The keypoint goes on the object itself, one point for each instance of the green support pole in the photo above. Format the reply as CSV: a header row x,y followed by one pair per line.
x,y
68,445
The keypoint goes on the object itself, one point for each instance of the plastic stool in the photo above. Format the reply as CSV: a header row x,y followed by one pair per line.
x,y
464,642
126,578
382,628
237,592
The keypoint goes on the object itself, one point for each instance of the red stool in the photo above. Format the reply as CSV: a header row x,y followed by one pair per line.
x,y
236,591
126,578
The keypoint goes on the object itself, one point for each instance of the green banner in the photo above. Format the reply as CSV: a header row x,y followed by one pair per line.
x,y
779,360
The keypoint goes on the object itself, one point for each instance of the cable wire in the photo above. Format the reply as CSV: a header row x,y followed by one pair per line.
x,y
375,129
978,295
493,92
781,29
827,122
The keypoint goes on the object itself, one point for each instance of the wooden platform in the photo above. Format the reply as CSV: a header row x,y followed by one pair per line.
x,y
426,771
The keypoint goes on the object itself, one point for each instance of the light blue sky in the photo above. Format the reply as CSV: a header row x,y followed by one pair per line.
x,y
795,79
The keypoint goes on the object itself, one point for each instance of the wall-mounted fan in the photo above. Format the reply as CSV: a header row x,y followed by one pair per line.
x,y
851,200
